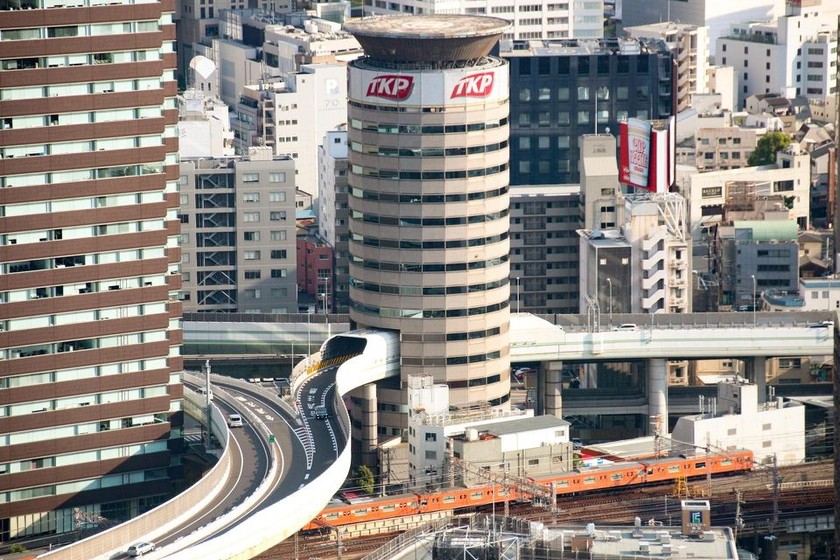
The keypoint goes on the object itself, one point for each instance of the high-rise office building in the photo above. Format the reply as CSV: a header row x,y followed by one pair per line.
x,y
90,391
560,90
427,135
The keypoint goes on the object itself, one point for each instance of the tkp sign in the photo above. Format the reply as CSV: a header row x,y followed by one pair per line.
x,y
476,85
391,86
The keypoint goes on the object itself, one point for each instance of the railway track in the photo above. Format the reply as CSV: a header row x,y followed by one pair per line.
x,y
801,486
326,548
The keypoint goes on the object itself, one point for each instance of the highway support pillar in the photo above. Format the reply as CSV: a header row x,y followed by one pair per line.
x,y
366,415
657,383
757,374
553,388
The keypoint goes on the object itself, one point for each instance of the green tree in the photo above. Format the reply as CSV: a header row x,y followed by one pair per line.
x,y
768,145
365,479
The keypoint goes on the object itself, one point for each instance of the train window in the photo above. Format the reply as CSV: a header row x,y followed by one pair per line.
x,y
503,492
726,462
331,516
562,484
449,500
674,469
360,512
700,465
476,495
616,476
391,507
589,480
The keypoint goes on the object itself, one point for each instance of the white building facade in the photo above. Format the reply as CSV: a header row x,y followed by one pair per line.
x,y
737,421
293,115
707,192
431,423
203,126
791,55
716,14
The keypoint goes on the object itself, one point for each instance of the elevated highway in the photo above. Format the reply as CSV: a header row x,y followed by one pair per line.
x,y
321,447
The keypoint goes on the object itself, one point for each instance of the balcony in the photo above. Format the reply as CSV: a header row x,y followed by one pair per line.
x,y
654,302
654,280
754,37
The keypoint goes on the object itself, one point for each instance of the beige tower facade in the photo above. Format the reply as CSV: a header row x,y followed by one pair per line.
x,y
428,153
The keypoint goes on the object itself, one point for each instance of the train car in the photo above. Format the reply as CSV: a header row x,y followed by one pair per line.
x,y
585,479
377,509
617,475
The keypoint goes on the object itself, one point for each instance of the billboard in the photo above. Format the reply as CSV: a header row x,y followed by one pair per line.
x,y
647,158
431,87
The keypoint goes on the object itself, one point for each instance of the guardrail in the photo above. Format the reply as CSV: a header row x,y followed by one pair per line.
x,y
277,522
259,493
158,520
264,530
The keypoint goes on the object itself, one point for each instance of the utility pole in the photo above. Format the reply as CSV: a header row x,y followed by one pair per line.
x,y
709,463
776,480
739,521
507,489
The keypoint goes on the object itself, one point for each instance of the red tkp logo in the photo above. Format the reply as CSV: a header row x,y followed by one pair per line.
x,y
477,85
391,86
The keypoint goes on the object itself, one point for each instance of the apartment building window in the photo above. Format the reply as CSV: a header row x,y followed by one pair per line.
x,y
252,294
278,272
278,254
277,177
252,275
250,177
277,197
251,197
252,236
251,217
251,255
278,235
279,216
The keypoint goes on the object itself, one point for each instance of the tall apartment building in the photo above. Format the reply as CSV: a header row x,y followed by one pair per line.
x,y
544,248
557,87
544,19
690,46
238,234
333,211
792,55
90,390
428,110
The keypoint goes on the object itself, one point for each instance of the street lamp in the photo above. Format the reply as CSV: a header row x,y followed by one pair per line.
x,y
754,290
609,282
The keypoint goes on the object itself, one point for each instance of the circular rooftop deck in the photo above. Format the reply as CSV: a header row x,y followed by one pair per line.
x,y
432,38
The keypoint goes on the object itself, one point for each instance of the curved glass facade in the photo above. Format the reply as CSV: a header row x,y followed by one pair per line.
x,y
429,218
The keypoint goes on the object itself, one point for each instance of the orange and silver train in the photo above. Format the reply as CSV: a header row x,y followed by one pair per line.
x,y
586,479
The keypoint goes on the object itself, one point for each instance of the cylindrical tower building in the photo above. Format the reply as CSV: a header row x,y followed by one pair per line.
x,y
428,137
